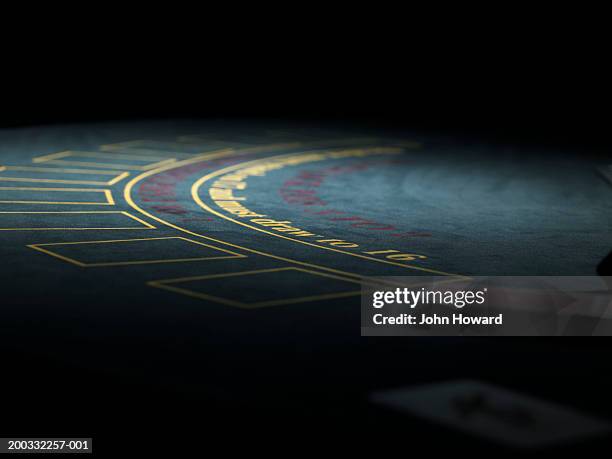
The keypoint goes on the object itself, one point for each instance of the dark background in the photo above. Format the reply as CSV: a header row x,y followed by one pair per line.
x,y
509,81
484,98
508,75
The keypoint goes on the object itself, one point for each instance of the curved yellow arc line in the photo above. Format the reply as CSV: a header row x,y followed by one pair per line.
x,y
196,197
127,194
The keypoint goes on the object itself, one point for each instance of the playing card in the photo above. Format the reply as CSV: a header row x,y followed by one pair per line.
x,y
493,412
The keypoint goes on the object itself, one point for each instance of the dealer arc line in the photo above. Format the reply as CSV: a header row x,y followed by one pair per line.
x,y
128,190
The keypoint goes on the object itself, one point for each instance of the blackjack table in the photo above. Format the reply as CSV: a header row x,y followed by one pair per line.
x,y
164,279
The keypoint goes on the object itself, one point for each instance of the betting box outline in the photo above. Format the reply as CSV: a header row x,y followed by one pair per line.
x,y
117,175
147,226
59,158
163,284
141,147
81,264
107,194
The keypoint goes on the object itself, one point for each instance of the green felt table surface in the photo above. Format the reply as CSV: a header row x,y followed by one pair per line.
x,y
222,260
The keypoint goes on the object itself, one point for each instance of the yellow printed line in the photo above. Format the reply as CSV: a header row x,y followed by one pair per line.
x,y
238,304
29,188
109,197
41,159
304,299
111,165
86,212
195,195
138,220
118,175
59,170
163,284
118,178
94,154
56,255
110,241
127,194
64,182
39,247
134,147
200,296
251,272
107,194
